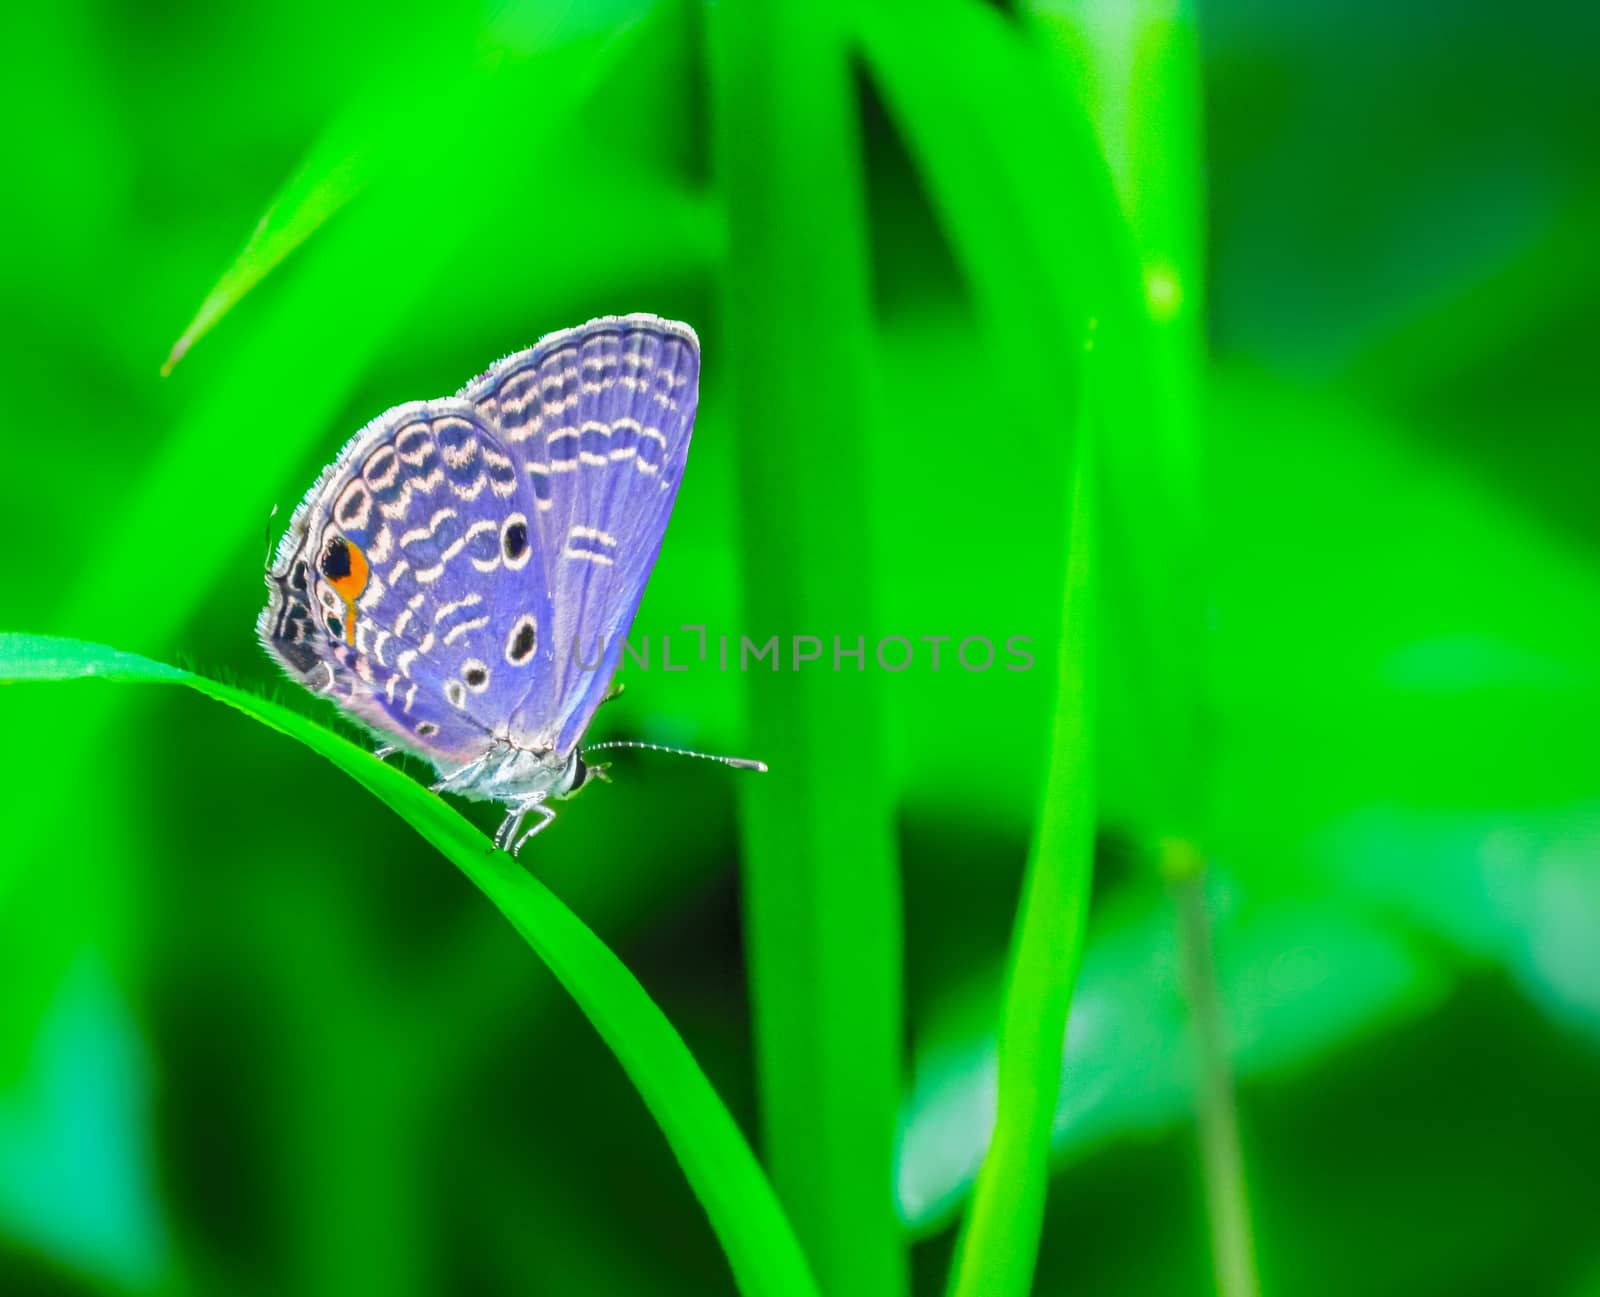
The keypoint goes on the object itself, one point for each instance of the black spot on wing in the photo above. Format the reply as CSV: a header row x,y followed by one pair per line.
x,y
523,643
336,559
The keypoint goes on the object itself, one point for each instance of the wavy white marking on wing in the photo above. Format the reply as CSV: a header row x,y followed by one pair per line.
x,y
428,575
473,491
464,628
378,551
396,510
454,606
426,533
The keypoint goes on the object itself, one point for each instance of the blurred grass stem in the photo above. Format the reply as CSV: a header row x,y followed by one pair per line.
x,y
820,868
1222,1163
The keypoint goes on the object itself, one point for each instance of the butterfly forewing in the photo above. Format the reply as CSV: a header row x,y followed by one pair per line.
x,y
598,421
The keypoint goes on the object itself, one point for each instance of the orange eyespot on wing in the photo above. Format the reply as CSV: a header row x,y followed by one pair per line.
x,y
345,567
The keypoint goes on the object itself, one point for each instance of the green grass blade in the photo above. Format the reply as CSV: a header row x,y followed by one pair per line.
x,y
1021,189
822,886
1141,72
1016,179
390,137
761,1247
333,173
999,1242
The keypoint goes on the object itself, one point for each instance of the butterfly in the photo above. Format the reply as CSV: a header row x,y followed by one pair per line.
x,y
463,576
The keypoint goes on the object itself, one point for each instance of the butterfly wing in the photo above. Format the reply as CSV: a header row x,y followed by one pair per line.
x,y
597,420
408,586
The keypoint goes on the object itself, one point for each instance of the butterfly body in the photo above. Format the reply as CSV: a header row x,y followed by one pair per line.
x,y
463,575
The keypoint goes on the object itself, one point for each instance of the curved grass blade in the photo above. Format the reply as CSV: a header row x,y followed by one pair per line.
x,y
1144,67
1022,191
999,1241
744,1213
334,172
389,138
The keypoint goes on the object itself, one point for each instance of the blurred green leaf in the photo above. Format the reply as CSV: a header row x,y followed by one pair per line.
x,y
724,1174
1389,633
1298,980
78,1118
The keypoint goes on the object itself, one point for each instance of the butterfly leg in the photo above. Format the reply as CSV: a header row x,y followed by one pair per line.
x,y
507,833
509,826
546,814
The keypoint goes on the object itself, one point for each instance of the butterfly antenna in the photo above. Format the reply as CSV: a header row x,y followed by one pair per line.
x,y
736,763
266,536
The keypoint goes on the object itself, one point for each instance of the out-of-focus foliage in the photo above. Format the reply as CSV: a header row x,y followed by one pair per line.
x,y
257,1036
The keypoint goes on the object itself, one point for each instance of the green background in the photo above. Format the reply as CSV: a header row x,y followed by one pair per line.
x,y
1302,295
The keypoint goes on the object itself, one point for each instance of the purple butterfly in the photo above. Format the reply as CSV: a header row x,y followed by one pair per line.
x,y
464,574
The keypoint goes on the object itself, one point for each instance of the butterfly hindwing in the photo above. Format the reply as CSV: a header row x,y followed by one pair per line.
x,y
408,586
597,421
